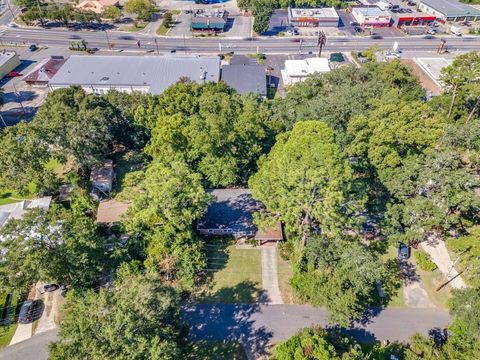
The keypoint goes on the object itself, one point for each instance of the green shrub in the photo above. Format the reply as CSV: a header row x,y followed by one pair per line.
x,y
424,262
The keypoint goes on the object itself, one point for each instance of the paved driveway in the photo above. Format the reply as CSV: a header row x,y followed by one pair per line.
x,y
23,332
36,348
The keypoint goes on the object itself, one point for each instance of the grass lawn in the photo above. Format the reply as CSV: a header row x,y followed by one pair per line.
x,y
125,162
430,281
7,332
217,350
133,28
234,275
285,272
162,30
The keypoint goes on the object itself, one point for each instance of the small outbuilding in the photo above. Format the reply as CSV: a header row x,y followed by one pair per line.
x,y
209,21
44,71
231,214
102,178
299,70
246,78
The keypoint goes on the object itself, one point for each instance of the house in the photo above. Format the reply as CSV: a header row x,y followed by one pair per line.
x,y
9,60
102,178
449,10
231,214
146,74
97,6
110,211
44,71
246,78
17,210
299,70
313,17
412,19
371,17
209,21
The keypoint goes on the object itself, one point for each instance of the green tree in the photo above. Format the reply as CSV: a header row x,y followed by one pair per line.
x,y
142,8
304,180
76,125
339,274
219,133
113,13
172,197
462,87
58,247
468,247
138,320
167,19
23,159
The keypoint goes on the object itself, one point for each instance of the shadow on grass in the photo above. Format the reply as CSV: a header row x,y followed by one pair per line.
x,y
217,350
225,279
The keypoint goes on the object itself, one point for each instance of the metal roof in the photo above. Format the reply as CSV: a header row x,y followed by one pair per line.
x,y
452,8
371,11
246,78
155,72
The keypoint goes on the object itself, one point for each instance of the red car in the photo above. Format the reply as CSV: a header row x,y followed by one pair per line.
x,y
12,74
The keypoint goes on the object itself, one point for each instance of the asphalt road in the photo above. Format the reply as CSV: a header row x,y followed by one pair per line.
x,y
35,348
257,325
122,40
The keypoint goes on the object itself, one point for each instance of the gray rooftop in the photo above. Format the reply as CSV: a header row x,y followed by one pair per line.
x,y
246,78
6,56
232,209
156,72
452,8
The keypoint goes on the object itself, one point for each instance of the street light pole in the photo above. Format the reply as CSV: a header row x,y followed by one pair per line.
x,y
156,44
108,40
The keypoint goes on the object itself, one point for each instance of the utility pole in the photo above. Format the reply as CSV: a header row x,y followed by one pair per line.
x,y
184,44
10,8
108,40
42,21
321,41
156,44
19,99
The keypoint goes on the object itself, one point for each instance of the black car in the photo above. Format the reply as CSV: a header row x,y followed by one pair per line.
x,y
403,251
33,47
26,312
50,287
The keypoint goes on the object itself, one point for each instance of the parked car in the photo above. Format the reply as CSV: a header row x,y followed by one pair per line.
x,y
431,31
403,251
33,47
12,25
12,74
26,312
50,287
354,23
411,3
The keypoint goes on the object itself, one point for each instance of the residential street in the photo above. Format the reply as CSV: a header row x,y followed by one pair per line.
x,y
257,325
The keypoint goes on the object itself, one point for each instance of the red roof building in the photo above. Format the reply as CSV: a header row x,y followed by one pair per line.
x,y
44,71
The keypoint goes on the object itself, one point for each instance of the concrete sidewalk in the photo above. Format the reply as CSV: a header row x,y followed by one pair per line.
x,y
272,294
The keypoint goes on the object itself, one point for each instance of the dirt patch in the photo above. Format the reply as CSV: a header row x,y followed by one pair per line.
x,y
425,80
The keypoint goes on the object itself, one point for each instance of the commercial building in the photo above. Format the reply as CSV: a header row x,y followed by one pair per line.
x,y
313,17
147,74
44,71
97,6
449,10
433,66
371,17
209,21
231,214
412,19
246,78
9,60
299,70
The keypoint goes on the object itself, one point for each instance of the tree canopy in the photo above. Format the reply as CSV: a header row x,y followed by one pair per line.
x,y
139,319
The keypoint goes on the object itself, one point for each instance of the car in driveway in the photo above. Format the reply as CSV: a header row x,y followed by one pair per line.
x,y
50,287
27,312
403,252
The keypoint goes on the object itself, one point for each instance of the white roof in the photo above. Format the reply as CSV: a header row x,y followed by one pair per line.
x,y
155,72
17,210
318,13
306,67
